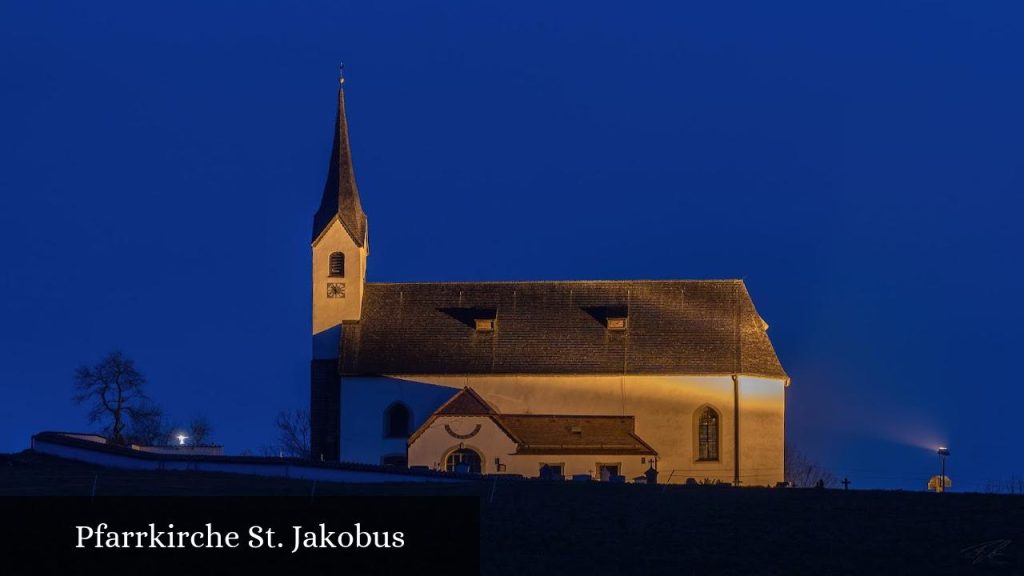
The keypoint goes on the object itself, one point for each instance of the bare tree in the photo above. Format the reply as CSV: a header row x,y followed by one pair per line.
x,y
293,433
147,426
114,388
199,429
802,472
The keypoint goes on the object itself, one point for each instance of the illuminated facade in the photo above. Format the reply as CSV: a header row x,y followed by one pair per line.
x,y
598,378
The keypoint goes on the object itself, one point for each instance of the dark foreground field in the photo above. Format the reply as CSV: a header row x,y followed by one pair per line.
x,y
531,527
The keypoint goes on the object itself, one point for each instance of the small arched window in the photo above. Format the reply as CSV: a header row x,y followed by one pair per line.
x,y
463,460
337,266
397,421
707,434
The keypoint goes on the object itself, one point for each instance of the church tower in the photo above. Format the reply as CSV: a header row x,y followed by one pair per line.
x,y
339,238
340,247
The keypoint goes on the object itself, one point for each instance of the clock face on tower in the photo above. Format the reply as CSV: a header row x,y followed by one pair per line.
x,y
335,289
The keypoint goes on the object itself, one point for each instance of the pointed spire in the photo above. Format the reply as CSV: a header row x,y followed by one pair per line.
x,y
341,197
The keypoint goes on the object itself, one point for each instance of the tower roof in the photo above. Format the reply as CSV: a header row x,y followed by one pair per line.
x,y
341,196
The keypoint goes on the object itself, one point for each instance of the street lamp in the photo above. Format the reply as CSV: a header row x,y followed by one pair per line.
x,y
942,452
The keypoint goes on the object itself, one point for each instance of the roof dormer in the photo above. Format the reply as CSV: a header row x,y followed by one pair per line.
x,y
616,323
614,318
481,319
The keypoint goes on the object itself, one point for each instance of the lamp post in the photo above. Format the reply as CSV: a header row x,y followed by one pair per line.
x,y
942,452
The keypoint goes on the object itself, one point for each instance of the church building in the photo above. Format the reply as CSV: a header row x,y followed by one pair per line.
x,y
607,379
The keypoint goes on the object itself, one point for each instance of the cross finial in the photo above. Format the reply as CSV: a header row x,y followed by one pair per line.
x,y
341,73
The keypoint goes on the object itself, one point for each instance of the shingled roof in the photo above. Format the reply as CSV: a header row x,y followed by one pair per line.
x,y
341,197
554,434
673,327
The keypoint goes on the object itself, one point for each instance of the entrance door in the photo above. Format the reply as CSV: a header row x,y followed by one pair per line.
x,y
464,460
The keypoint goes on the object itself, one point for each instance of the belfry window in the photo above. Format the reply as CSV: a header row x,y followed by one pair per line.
x,y
707,434
337,266
397,421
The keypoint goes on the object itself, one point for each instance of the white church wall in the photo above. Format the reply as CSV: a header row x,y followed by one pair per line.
x,y
364,401
762,430
664,407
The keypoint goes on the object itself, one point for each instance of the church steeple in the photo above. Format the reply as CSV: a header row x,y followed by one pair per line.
x,y
340,244
341,196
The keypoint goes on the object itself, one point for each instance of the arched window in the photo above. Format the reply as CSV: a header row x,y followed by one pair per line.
x,y
707,434
397,421
337,267
463,460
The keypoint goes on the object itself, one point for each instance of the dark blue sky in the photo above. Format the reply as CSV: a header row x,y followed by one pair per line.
x,y
859,165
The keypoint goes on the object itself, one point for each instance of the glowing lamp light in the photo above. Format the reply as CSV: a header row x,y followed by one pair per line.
x,y
943,481
181,439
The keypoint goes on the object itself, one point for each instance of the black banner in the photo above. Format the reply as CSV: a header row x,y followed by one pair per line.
x,y
203,535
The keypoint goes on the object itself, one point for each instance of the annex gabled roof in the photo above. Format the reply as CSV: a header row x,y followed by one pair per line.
x,y
341,197
548,433
564,434
466,403
674,327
